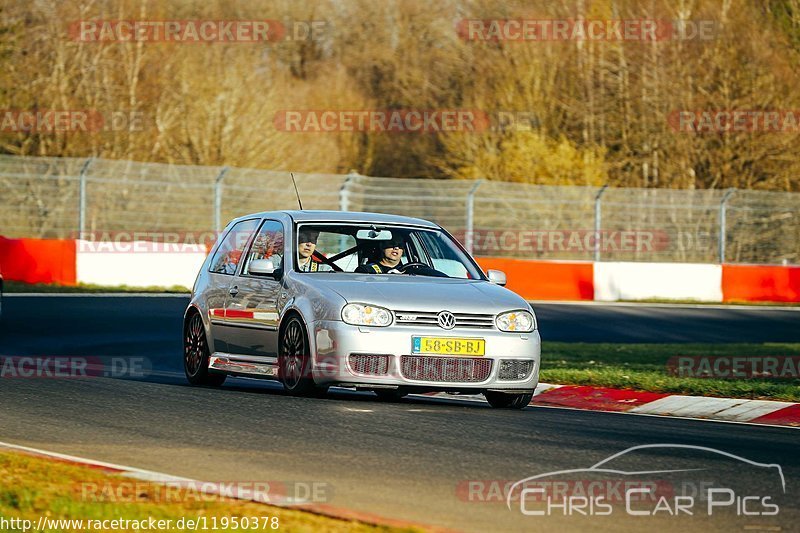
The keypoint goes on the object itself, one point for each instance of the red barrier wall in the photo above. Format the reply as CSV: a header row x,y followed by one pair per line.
x,y
54,261
38,260
545,280
758,283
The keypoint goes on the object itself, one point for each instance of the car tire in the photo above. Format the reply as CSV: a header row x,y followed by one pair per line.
x,y
294,360
390,395
195,354
502,400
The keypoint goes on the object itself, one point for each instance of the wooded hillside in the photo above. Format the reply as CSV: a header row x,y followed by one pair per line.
x,y
561,111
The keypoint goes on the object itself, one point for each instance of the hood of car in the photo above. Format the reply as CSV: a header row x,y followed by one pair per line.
x,y
421,293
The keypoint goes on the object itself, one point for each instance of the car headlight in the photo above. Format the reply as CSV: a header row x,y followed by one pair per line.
x,y
521,321
366,315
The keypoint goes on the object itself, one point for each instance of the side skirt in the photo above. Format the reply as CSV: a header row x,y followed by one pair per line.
x,y
249,365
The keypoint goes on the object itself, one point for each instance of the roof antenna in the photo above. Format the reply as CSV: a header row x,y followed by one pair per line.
x,y
296,191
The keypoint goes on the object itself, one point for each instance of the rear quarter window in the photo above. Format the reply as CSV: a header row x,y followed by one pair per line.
x,y
228,254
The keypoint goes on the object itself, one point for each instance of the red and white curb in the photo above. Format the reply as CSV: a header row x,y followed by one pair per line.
x,y
226,490
660,404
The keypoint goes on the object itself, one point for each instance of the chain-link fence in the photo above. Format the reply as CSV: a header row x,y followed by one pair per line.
x,y
62,198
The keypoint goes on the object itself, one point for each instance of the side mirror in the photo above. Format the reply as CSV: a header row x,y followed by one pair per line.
x,y
498,277
261,267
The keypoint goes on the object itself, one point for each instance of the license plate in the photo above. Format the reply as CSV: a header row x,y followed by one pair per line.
x,y
448,346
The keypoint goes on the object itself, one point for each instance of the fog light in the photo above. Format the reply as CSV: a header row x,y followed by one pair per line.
x,y
515,369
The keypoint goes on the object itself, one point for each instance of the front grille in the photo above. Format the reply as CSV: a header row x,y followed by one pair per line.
x,y
368,364
445,369
514,369
426,318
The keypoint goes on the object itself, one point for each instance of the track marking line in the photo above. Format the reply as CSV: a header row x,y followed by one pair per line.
x,y
677,418
151,475
720,408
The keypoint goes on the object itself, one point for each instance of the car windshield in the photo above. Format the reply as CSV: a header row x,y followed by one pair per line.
x,y
381,249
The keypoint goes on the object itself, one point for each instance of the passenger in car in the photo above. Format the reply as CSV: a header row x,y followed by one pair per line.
x,y
306,245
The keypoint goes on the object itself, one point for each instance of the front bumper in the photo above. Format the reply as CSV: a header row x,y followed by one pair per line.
x,y
335,341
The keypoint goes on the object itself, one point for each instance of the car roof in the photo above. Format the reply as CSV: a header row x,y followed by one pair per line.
x,y
311,215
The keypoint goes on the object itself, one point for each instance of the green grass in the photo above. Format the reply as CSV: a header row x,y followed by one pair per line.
x,y
34,487
20,287
644,367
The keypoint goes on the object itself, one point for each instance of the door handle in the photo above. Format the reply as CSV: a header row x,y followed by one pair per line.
x,y
234,291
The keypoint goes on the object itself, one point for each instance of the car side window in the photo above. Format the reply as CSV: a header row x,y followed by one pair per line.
x,y
268,244
230,250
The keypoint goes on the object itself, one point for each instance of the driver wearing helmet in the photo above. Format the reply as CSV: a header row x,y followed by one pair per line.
x,y
392,251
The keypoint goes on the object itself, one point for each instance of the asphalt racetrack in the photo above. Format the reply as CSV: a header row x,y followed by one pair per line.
x,y
426,460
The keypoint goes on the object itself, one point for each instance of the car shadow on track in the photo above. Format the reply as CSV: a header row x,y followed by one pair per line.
x,y
335,394
274,388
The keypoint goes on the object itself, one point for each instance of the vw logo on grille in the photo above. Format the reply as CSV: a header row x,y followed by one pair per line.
x,y
446,319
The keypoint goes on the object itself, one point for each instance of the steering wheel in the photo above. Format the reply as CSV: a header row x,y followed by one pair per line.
x,y
413,264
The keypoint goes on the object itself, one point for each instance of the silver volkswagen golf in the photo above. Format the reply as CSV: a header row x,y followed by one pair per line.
x,y
369,301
